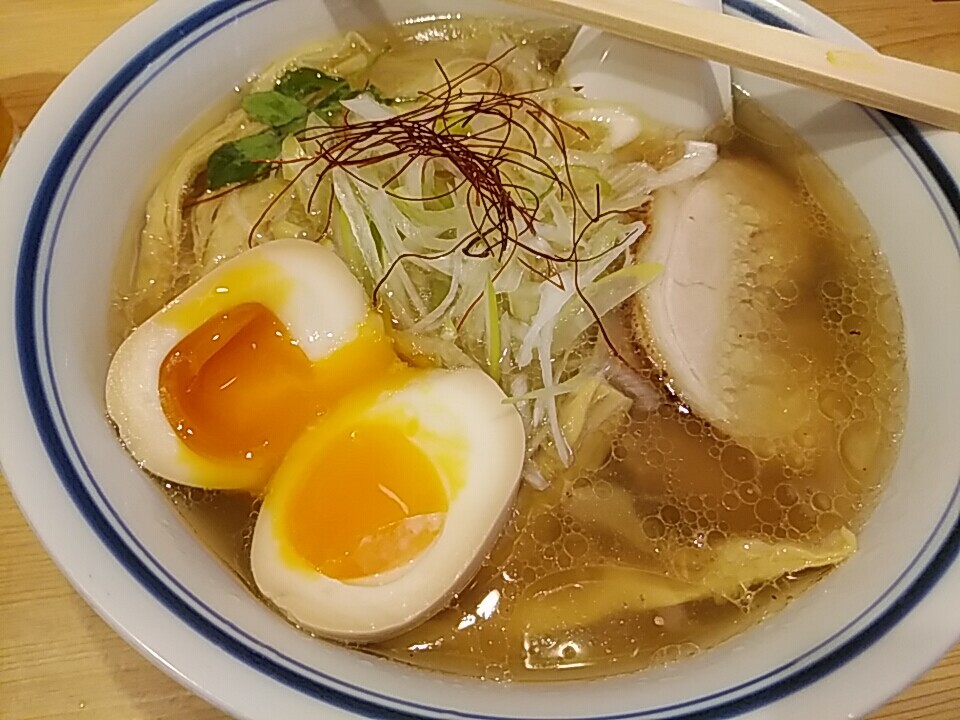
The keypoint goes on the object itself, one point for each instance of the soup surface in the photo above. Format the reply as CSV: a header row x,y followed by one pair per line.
x,y
667,532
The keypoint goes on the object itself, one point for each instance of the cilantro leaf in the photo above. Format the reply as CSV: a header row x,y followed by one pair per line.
x,y
305,81
242,159
272,108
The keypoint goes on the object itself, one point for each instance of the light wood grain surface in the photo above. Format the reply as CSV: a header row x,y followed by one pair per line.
x,y
58,660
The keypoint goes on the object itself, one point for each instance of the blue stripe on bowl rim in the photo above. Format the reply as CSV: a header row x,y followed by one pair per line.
x,y
31,306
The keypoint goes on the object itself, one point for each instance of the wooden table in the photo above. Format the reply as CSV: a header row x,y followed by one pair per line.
x,y
58,660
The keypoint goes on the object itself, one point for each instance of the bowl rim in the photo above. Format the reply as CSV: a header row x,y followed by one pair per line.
x,y
60,456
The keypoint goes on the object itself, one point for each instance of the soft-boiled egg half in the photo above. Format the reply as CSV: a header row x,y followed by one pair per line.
x,y
383,510
383,485
212,390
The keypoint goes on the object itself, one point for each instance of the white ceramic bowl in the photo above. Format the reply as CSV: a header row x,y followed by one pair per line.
x,y
83,168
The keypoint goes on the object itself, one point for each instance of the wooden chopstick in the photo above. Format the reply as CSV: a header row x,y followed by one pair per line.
x,y
906,88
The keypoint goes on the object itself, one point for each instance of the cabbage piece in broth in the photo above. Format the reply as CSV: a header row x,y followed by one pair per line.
x,y
582,597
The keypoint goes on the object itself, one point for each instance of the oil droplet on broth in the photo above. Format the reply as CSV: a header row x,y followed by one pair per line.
x,y
858,447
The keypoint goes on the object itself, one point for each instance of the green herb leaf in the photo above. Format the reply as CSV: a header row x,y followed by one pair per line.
x,y
379,96
272,108
292,127
285,109
242,160
305,81
329,107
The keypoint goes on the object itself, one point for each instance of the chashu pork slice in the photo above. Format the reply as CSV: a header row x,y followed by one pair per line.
x,y
711,321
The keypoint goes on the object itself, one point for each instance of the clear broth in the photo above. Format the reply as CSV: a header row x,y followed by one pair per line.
x,y
687,485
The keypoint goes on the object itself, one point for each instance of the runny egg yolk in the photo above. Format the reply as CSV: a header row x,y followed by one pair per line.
x,y
238,388
371,501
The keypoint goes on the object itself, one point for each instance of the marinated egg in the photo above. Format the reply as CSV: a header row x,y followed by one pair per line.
x,y
212,390
387,506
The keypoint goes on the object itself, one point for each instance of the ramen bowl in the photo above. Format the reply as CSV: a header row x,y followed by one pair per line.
x,y
79,178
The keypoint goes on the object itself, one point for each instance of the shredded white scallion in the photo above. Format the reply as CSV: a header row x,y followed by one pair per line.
x,y
520,308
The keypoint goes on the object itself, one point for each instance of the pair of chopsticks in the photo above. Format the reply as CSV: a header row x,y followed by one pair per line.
x,y
906,88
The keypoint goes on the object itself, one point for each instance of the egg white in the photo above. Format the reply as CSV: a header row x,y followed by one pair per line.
x,y
321,306
476,443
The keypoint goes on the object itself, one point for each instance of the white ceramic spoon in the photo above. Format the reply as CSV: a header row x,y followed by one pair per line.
x,y
674,89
